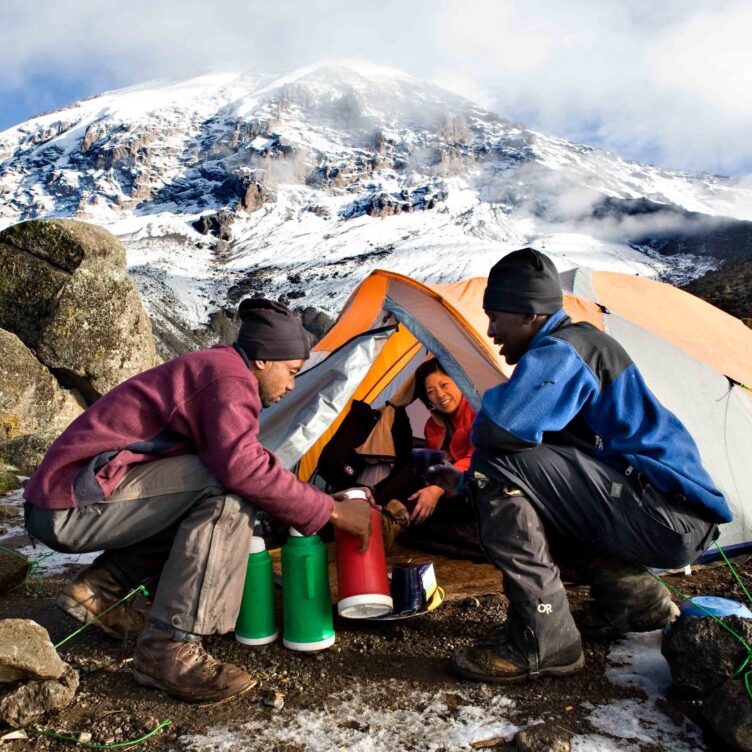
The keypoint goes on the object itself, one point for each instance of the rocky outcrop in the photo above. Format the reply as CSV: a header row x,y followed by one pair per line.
x,y
256,195
218,224
729,288
31,399
384,204
26,652
67,296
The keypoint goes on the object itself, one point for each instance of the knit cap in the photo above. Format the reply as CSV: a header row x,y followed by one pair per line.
x,y
524,281
270,331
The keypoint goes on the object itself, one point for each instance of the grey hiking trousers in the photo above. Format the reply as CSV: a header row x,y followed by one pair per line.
x,y
553,502
168,520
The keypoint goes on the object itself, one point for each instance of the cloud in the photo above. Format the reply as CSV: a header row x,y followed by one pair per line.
x,y
664,82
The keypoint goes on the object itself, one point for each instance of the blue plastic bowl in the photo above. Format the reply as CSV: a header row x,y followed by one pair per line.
x,y
716,606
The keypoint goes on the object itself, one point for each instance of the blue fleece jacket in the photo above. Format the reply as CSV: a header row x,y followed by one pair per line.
x,y
578,379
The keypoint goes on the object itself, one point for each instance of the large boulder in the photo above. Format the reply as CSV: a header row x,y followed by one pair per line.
x,y
26,652
65,292
30,398
702,655
25,453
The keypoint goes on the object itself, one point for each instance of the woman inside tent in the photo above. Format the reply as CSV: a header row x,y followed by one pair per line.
x,y
421,513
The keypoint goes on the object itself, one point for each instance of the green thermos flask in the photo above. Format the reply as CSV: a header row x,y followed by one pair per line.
x,y
255,624
306,599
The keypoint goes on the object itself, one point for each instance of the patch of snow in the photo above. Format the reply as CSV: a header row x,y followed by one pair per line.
x,y
635,720
357,721
636,661
49,561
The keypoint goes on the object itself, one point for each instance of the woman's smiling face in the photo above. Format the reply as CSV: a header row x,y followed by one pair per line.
x,y
443,394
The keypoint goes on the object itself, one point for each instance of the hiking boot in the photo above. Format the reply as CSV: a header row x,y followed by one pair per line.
x,y
91,592
185,670
540,640
626,598
395,519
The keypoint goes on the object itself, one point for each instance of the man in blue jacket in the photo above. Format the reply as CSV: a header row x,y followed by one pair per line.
x,y
575,459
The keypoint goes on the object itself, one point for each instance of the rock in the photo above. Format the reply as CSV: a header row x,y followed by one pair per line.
x,y
22,705
30,398
10,513
69,298
275,700
100,334
315,321
8,480
702,655
215,224
256,195
26,652
25,453
13,569
728,710
470,602
543,738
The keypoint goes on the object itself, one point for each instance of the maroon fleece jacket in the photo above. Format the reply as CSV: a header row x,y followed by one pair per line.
x,y
205,403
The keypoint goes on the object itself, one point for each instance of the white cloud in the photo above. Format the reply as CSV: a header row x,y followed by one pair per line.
x,y
667,82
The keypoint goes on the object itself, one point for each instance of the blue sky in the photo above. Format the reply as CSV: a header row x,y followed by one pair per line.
x,y
663,82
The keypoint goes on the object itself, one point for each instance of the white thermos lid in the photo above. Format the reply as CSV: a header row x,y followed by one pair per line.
x,y
356,493
257,545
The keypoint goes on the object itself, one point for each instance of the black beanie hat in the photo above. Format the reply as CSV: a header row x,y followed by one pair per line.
x,y
270,331
524,281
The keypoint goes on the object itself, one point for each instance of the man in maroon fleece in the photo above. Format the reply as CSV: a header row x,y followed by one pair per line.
x,y
164,474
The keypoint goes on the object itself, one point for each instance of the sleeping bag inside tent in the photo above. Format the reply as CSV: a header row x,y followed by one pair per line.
x,y
694,357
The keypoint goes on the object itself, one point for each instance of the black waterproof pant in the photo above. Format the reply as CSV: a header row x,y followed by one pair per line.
x,y
560,499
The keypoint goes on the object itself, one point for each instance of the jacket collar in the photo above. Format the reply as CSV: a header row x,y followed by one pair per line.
x,y
554,321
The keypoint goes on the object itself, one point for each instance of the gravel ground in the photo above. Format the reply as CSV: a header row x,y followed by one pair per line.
x,y
377,674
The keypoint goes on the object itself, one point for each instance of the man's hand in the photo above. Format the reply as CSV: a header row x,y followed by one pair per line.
x,y
446,477
356,492
353,516
426,500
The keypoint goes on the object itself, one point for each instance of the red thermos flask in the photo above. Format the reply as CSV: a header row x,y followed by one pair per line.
x,y
362,576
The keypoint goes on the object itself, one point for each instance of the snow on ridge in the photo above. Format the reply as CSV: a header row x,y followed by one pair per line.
x,y
355,167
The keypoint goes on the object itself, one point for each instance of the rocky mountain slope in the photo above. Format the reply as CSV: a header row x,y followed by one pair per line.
x,y
729,288
296,187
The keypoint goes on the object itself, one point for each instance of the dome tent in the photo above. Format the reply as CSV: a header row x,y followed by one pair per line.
x,y
694,357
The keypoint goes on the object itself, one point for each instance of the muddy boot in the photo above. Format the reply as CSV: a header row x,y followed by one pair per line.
x,y
91,592
541,640
395,519
185,670
625,599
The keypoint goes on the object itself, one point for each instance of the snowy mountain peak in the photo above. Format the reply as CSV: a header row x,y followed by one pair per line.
x,y
297,185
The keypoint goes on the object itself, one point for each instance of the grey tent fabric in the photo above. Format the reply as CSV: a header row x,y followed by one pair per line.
x,y
290,427
579,282
716,413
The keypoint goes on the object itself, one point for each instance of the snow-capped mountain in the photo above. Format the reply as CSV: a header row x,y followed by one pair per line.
x,y
232,184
